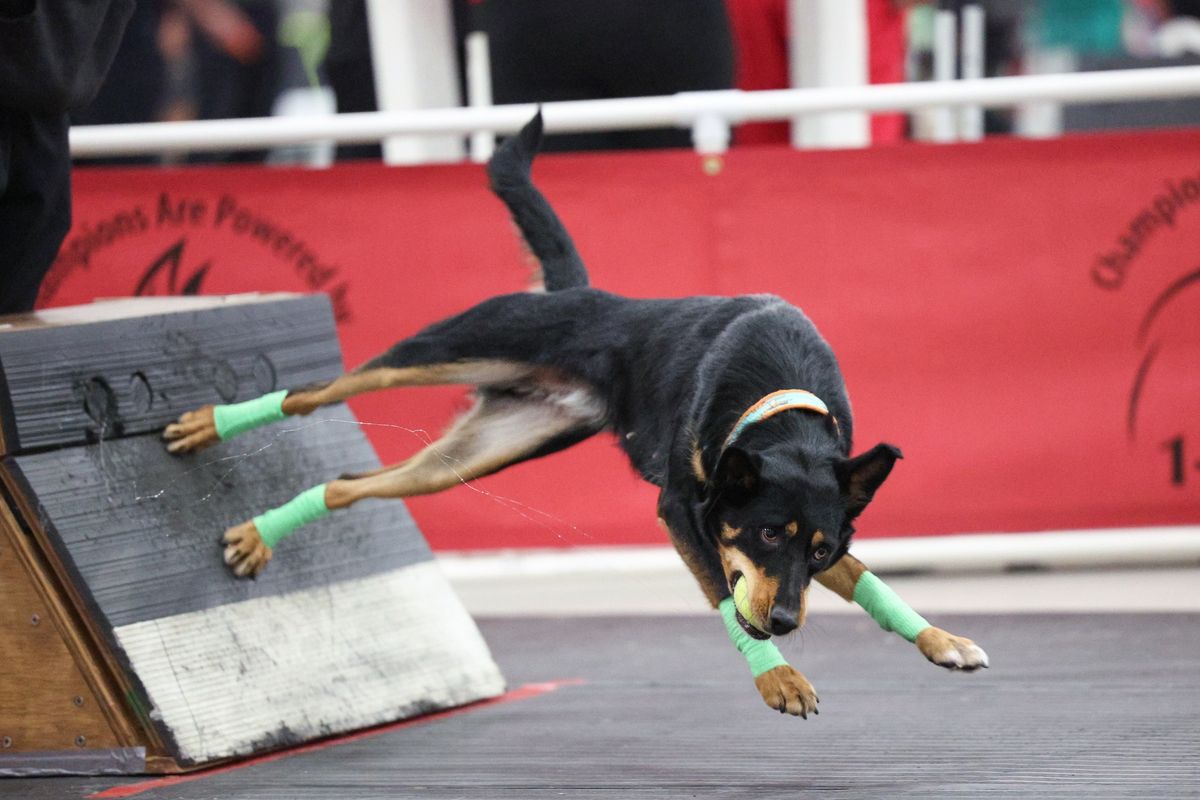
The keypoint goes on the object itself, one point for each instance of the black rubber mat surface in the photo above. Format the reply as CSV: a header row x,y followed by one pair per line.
x,y
1085,706
142,527
73,383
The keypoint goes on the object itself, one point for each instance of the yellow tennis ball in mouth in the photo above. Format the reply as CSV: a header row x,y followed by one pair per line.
x,y
741,599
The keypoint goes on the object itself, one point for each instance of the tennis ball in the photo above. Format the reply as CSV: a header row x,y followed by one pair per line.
x,y
741,600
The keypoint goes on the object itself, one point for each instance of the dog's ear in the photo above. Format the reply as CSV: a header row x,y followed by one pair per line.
x,y
860,476
736,478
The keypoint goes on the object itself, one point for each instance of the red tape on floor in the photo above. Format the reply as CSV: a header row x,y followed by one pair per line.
x,y
522,693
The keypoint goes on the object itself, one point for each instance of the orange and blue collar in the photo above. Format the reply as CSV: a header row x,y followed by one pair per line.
x,y
776,402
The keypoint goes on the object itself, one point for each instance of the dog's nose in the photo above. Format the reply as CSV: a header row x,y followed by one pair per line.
x,y
783,621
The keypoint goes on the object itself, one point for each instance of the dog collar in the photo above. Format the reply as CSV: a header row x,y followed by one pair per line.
x,y
774,403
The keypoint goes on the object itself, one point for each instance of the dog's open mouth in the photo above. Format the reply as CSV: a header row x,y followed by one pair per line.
x,y
745,623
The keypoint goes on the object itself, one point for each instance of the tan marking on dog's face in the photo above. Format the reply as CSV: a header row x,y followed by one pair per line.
x,y
818,539
762,589
729,533
698,465
792,528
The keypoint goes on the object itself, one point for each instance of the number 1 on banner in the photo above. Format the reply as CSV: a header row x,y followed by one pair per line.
x,y
1178,460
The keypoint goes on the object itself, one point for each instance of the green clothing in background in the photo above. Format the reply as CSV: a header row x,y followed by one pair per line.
x,y
1085,26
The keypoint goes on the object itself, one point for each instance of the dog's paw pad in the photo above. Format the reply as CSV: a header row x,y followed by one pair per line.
x,y
950,651
787,691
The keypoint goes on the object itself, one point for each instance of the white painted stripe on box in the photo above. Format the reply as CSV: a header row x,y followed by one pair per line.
x,y
238,678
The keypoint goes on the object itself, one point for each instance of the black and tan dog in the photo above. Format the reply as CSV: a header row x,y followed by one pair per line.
x,y
774,502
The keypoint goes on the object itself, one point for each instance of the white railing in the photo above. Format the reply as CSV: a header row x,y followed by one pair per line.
x,y
708,114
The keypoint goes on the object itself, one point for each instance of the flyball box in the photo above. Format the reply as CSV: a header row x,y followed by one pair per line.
x,y
127,645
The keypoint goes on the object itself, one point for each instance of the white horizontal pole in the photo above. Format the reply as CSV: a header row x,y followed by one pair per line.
x,y
678,110
1114,547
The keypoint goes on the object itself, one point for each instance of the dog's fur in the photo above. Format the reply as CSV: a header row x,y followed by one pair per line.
x,y
670,378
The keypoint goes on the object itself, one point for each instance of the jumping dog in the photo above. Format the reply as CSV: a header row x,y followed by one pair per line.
x,y
734,407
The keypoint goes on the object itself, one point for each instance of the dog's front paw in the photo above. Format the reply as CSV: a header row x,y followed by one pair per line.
x,y
245,551
950,651
194,430
787,691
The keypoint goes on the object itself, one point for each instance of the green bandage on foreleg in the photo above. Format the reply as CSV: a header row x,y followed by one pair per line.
x,y
300,510
886,607
241,417
761,654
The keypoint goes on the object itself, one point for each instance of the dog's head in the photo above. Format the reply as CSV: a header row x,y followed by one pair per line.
x,y
782,513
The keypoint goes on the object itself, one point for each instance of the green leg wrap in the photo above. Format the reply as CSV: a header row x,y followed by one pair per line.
x,y
761,654
241,417
886,607
300,510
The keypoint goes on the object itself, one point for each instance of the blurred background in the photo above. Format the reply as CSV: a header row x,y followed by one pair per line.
x,y
1007,288
219,59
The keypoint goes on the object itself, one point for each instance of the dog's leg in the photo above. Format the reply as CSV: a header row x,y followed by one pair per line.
x,y
198,429
706,570
782,686
499,431
942,648
495,343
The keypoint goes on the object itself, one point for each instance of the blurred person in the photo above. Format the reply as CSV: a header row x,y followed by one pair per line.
x,y
237,63
349,68
585,50
1178,27
53,57
1080,26
568,50
134,84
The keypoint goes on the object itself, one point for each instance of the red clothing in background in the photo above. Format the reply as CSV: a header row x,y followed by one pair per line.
x,y
760,31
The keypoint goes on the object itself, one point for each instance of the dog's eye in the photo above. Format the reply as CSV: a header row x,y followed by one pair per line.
x,y
769,535
820,553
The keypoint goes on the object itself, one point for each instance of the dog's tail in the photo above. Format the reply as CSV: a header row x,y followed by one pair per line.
x,y
509,169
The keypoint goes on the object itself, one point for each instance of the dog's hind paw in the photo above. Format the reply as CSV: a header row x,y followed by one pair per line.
x,y
245,551
787,691
950,651
194,430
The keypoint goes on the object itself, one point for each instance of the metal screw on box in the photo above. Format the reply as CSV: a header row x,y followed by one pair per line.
x,y
80,740
35,620
77,700
6,741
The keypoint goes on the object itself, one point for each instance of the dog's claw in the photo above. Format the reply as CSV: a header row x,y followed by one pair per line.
x,y
787,691
194,430
246,554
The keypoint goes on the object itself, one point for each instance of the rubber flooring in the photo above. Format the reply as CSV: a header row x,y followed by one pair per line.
x,y
1074,706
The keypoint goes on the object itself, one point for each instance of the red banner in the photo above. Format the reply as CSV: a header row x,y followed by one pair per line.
x,y
1019,317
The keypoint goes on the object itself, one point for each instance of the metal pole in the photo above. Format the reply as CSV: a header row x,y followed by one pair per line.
x,y
970,118
412,47
945,56
829,48
479,91
681,110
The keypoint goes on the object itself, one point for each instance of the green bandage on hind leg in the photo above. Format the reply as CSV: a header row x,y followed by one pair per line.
x,y
304,508
241,417
886,607
761,654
